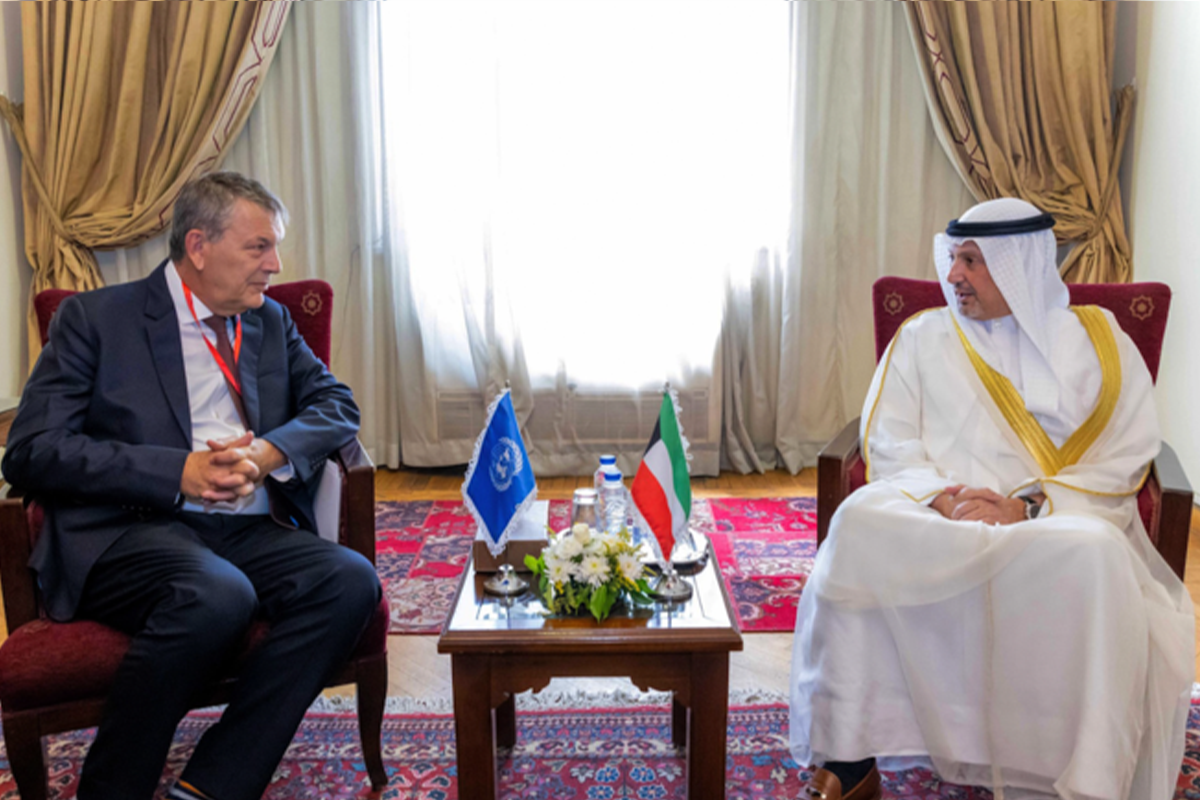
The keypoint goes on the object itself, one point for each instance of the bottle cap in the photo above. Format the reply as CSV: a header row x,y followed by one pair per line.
x,y
607,459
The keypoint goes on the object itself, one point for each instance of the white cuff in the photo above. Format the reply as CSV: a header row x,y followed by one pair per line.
x,y
285,473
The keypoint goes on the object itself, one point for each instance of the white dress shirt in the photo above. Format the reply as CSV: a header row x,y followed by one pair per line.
x,y
213,413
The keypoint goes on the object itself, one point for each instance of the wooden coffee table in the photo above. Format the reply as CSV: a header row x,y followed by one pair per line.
x,y
498,648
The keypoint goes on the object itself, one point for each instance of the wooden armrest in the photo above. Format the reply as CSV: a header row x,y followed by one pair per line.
x,y
358,498
844,446
1171,476
834,463
1175,512
352,455
16,578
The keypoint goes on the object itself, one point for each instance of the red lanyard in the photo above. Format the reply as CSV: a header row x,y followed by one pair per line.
x,y
237,344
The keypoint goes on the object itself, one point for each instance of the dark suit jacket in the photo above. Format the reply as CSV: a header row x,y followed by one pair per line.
x,y
104,429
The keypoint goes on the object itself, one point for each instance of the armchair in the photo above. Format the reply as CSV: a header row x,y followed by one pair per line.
x,y
55,676
1165,502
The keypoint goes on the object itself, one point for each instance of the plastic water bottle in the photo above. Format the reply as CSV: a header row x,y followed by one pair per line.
x,y
607,464
614,501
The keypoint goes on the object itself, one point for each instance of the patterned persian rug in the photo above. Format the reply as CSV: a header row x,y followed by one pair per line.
x,y
580,754
765,549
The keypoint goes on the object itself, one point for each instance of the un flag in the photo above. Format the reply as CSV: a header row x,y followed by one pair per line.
x,y
499,483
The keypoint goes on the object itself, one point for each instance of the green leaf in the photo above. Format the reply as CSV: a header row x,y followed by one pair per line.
x,y
641,598
600,603
534,564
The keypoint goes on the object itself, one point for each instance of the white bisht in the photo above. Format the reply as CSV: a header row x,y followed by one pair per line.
x,y
1055,655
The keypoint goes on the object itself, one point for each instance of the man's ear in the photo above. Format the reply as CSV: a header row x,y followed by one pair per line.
x,y
194,244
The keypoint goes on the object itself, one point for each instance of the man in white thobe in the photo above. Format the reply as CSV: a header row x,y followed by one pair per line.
x,y
989,603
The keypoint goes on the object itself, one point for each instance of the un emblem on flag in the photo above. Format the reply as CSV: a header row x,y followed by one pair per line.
x,y
506,463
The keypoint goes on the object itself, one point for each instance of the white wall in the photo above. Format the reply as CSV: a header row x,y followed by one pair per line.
x,y
1164,202
14,270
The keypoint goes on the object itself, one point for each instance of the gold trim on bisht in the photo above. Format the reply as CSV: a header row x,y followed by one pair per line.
x,y
865,445
1052,459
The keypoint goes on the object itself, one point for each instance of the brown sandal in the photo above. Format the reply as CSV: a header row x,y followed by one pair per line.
x,y
824,785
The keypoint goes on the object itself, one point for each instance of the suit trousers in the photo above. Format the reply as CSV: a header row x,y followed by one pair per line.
x,y
186,588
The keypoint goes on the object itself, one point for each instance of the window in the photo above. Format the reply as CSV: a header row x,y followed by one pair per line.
x,y
581,179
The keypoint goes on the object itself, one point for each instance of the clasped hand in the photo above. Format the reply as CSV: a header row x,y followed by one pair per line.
x,y
230,468
979,505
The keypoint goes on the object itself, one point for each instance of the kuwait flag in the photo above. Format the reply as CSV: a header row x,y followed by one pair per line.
x,y
662,490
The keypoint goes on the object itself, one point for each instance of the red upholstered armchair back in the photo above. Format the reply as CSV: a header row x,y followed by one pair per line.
x,y
1140,308
310,302
44,305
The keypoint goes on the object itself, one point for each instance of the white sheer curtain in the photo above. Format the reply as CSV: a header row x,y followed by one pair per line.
x,y
427,330
573,182
870,187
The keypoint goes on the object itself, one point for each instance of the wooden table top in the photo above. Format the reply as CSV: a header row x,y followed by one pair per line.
x,y
483,623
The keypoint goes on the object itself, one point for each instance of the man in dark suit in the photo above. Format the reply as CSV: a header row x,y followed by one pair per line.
x,y
174,428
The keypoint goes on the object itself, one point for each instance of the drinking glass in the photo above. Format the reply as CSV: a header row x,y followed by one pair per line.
x,y
583,508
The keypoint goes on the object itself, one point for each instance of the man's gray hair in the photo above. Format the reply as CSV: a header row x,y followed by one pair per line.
x,y
206,202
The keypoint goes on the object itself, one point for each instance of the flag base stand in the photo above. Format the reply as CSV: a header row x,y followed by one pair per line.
x,y
671,588
506,582
690,551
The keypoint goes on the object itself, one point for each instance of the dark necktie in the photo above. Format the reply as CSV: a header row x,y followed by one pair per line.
x,y
225,350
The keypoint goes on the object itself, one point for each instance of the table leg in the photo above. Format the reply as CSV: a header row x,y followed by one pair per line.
x,y
679,723
506,722
710,718
474,727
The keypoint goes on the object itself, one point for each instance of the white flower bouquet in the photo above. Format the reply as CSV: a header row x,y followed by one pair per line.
x,y
586,569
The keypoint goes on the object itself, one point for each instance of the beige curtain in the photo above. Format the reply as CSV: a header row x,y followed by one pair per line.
x,y
1019,94
124,102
